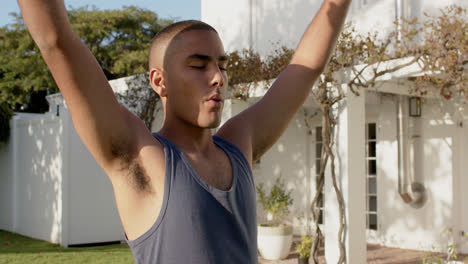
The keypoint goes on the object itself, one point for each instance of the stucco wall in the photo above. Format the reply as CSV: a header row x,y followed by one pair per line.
x,y
290,158
266,24
230,19
435,162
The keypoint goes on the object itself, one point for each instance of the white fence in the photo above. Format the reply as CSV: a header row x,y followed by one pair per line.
x,y
51,187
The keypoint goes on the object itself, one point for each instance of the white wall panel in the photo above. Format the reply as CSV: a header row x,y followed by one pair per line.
x,y
93,215
39,177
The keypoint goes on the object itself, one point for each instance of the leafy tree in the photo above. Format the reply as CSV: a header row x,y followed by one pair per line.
x,y
118,38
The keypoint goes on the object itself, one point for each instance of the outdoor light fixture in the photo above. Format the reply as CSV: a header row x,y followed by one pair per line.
x,y
415,106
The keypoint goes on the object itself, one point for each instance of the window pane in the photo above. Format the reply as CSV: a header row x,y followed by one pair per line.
x,y
318,150
373,221
318,133
371,149
320,201
371,131
372,204
372,185
372,167
317,167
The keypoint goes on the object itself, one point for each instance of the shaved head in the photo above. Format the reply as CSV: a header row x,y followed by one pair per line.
x,y
162,40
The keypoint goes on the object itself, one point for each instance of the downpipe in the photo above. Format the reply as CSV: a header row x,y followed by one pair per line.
x,y
412,193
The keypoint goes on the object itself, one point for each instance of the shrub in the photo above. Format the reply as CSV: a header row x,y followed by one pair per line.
x,y
276,202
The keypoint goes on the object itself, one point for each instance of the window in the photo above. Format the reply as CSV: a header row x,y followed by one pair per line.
x,y
371,176
318,154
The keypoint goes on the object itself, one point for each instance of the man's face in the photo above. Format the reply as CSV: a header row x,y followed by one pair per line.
x,y
196,78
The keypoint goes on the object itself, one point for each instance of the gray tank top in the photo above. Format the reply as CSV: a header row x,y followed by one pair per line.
x,y
198,223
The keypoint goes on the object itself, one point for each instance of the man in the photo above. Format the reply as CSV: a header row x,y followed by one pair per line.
x,y
183,195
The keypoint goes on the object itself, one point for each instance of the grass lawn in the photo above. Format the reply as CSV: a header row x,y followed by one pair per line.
x,y
17,249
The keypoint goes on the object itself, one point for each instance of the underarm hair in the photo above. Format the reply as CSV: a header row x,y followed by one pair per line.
x,y
130,163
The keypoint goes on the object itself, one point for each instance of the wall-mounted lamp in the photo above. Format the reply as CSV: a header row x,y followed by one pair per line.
x,y
415,106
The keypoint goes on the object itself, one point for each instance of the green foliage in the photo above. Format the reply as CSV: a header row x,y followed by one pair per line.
x,y
445,50
119,39
5,116
440,45
305,246
23,73
277,202
247,67
451,247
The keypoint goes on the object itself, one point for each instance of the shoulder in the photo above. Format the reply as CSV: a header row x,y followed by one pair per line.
x,y
238,141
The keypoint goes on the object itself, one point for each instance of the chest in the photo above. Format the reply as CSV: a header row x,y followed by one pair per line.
x,y
216,171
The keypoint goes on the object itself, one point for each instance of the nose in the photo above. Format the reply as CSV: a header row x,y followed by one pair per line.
x,y
217,78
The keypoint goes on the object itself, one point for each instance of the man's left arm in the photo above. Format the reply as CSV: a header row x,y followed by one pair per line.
x,y
257,128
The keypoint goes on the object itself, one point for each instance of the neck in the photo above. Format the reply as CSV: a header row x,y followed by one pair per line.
x,y
190,139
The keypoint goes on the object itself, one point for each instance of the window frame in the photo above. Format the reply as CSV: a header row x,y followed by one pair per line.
x,y
372,197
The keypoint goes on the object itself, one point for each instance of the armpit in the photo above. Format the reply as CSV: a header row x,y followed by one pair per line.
x,y
131,166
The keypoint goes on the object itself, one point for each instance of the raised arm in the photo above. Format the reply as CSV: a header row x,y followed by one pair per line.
x,y
256,129
106,128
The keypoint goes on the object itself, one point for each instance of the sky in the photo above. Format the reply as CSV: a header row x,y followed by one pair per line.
x,y
177,9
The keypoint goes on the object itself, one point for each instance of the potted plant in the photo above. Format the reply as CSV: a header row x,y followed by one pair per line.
x,y
451,251
303,248
274,237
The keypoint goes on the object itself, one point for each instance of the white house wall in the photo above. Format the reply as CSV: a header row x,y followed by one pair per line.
x,y
268,24
230,19
436,163
289,158
464,173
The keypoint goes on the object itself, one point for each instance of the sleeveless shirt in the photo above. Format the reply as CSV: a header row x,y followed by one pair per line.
x,y
199,223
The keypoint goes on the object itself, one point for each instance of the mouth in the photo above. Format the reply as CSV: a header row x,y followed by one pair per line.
x,y
216,97
215,100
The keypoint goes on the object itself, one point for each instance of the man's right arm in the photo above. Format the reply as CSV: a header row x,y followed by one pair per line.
x,y
106,128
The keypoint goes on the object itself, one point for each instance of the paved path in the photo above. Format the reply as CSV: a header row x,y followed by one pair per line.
x,y
376,254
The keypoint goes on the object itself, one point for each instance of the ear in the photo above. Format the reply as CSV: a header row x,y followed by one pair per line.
x,y
158,82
